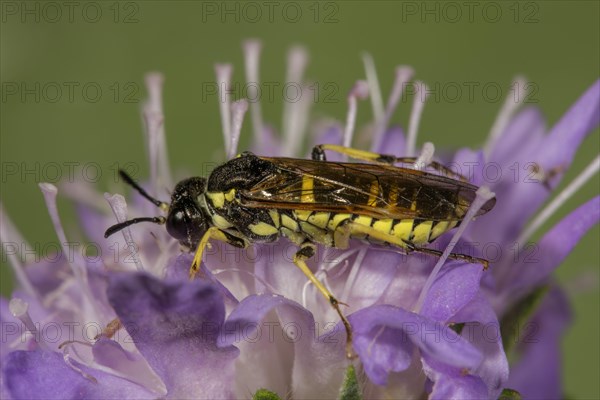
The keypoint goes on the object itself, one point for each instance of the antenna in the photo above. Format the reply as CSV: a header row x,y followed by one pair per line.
x,y
129,180
160,204
125,224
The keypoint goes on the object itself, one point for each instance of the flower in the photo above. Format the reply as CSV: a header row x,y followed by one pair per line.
x,y
251,321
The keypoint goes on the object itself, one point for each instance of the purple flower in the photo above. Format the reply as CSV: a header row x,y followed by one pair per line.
x,y
422,326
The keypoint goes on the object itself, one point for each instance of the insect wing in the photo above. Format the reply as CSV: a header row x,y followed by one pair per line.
x,y
373,190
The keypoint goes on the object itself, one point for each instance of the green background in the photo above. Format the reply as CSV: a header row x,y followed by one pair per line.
x,y
553,43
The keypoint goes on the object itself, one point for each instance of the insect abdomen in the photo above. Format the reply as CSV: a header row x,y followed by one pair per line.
x,y
414,231
321,227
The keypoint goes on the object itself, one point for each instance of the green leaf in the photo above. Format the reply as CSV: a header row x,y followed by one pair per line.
x,y
264,394
457,327
513,324
510,394
350,388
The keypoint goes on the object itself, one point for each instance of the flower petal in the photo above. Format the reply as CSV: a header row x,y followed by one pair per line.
x,y
318,365
524,133
385,336
482,329
553,248
174,325
45,375
470,164
455,286
452,383
110,354
537,375
11,330
393,142
267,144
179,268
568,133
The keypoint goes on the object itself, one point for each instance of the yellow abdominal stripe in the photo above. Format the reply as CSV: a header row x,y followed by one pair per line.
x,y
320,219
263,229
421,232
403,229
289,223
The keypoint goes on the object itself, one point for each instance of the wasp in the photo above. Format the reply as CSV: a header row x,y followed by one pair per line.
x,y
253,199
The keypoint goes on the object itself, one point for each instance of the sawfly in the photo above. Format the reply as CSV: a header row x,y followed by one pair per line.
x,y
253,199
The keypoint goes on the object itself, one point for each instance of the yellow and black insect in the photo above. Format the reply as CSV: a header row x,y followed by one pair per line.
x,y
252,199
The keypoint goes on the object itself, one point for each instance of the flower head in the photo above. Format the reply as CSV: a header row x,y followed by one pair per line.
x,y
421,324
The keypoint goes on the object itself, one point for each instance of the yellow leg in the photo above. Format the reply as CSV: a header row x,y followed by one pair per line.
x,y
358,229
307,250
318,154
211,233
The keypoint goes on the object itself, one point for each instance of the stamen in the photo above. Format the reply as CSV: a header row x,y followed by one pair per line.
x,y
74,259
70,363
154,106
223,72
238,108
20,310
510,106
372,343
421,94
153,123
82,192
72,342
560,199
297,122
308,283
123,368
321,275
295,109
252,49
304,291
483,195
425,157
374,89
349,283
403,75
119,207
340,260
11,236
359,91
252,274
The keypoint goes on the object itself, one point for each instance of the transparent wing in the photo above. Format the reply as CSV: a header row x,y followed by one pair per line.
x,y
378,191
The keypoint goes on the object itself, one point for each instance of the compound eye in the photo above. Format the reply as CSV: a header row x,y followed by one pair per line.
x,y
177,224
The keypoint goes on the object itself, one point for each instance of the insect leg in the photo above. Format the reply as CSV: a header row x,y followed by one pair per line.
x,y
318,154
441,168
212,233
456,256
307,250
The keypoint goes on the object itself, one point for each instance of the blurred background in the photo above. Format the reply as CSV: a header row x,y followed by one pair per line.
x,y
72,89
